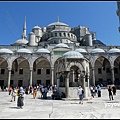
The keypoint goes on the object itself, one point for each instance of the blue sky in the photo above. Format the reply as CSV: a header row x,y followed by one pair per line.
x,y
98,16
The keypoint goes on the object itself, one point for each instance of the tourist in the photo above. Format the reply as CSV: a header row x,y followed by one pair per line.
x,y
99,90
13,94
34,92
80,94
21,93
110,93
114,90
10,89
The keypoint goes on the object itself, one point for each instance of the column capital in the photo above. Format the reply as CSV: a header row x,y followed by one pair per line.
x,y
92,68
9,68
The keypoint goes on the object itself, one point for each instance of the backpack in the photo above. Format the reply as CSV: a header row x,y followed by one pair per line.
x,y
82,91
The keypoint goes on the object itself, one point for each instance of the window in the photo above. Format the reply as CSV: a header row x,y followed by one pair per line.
x,y
12,72
2,71
115,70
64,34
108,70
38,81
99,70
47,71
38,71
60,34
55,34
20,71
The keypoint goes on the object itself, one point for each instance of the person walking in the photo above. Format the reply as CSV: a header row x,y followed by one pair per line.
x,y
99,90
13,94
21,93
110,93
80,93
10,90
114,90
34,92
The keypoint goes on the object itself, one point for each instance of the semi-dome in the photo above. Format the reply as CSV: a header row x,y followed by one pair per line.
x,y
58,24
81,50
72,54
5,50
114,50
21,42
61,45
97,50
23,50
42,50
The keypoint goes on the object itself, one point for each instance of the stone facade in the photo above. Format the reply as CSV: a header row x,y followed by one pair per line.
x,y
59,54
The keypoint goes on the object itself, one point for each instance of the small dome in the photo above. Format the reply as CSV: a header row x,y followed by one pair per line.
x,y
97,50
61,45
42,50
81,50
72,54
58,23
114,50
21,42
23,50
36,27
4,50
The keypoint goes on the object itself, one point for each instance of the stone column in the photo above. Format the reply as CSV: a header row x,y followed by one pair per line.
x,y
88,85
58,81
52,79
9,76
66,84
93,76
73,75
84,86
113,77
89,94
31,77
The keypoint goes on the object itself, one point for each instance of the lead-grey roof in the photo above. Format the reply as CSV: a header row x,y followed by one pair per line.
x,y
23,50
21,41
5,50
72,54
36,27
81,50
114,50
58,23
42,50
61,45
97,50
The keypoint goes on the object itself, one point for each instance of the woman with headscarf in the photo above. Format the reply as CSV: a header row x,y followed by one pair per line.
x,y
99,90
21,93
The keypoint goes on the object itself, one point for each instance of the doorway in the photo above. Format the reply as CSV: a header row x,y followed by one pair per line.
x,y
20,83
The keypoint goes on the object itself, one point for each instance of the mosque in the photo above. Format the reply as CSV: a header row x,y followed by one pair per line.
x,y
62,55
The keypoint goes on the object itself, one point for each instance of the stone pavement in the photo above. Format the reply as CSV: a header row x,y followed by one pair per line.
x,y
96,108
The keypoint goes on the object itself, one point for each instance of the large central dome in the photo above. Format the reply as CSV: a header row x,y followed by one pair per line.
x,y
58,23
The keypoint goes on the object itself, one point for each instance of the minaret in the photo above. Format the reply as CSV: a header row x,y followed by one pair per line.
x,y
24,30
118,13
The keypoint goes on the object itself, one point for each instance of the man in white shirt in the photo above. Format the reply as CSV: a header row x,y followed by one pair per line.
x,y
80,94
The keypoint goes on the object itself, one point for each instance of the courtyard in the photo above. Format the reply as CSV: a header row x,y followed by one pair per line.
x,y
93,108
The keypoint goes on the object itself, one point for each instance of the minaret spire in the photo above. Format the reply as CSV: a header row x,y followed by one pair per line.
x,y
24,30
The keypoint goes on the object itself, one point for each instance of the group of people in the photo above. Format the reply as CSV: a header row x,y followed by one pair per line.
x,y
111,91
19,91
95,90
14,92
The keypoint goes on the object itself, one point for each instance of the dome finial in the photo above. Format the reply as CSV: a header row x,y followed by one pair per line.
x,y
58,19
